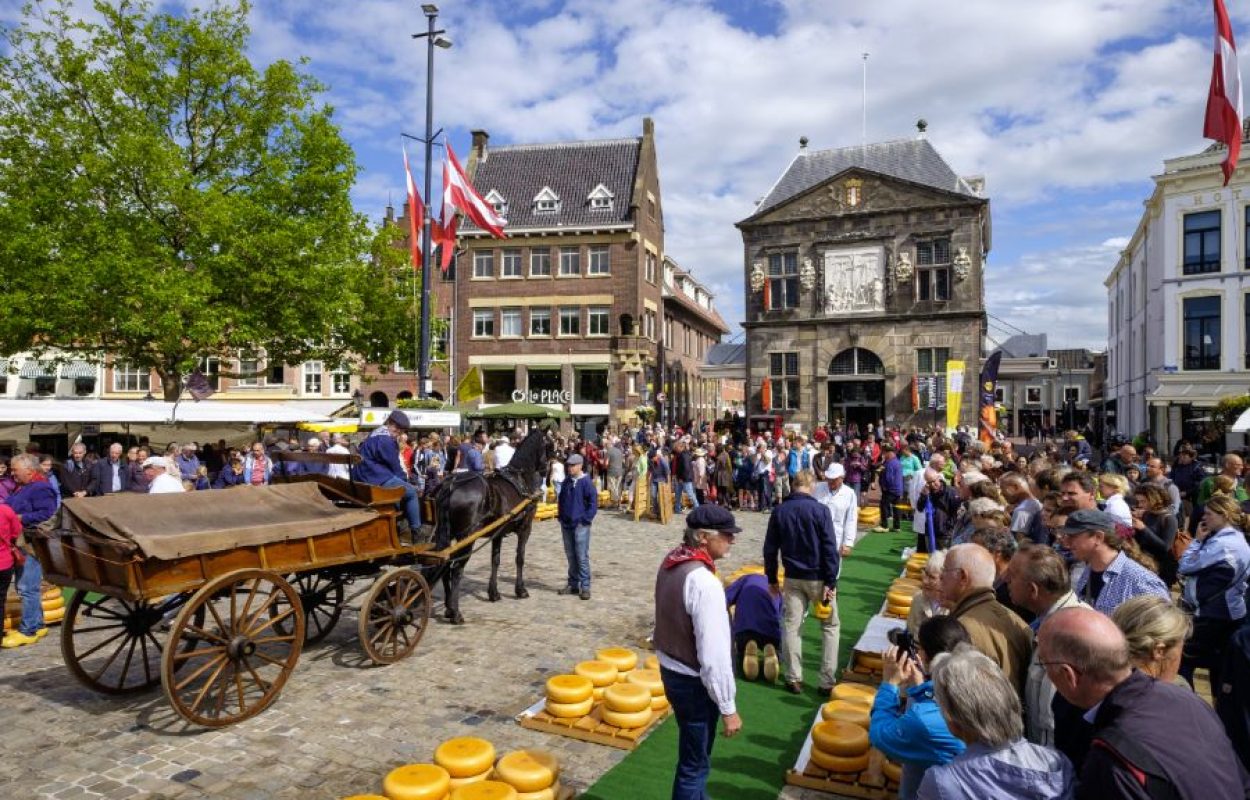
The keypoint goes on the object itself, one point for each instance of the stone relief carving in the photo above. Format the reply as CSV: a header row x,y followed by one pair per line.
x,y
854,281
963,264
903,269
807,275
757,276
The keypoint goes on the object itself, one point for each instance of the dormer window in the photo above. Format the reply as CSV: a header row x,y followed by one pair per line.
x,y
546,201
497,202
600,198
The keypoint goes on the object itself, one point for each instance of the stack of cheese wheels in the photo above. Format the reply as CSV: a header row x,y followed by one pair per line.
x,y
915,565
416,782
846,711
52,600
869,515
871,662
533,774
601,675
484,790
622,658
892,772
467,759
854,693
898,603
627,705
839,746
649,679
569,696
652,662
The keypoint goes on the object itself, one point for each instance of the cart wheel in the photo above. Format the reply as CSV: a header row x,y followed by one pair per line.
x,y
321,597
243,660
394,615
112,645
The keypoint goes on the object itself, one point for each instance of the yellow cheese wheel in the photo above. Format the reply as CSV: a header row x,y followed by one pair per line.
x,y
627,697
52,593
868,660
597,693
846,711
484,790
55,615
465,781
822,611
631,719
649,678
622,658
898,598
601,673
54,603
854,693
623,677
570,710
369,797
892,772
652,662
465,756
838,738
417,782
568,688
550,793
837,763
659,703
898,611
525,771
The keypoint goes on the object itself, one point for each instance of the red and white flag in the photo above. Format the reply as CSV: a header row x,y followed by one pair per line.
x,y
416,216
460,195
443,234
1223,122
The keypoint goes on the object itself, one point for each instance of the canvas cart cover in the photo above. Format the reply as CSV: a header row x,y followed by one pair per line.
x,y
169,526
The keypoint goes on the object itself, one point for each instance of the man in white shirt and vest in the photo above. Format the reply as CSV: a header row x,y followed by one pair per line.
x,y
693,644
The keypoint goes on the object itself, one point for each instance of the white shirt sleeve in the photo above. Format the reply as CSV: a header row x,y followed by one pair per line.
x,y
850,518
704,596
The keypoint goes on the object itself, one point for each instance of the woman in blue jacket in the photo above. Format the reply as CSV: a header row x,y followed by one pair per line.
x,y
1213,572
906,724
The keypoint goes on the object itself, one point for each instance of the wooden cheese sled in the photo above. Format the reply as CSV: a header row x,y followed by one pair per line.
x,y
870,783
590,728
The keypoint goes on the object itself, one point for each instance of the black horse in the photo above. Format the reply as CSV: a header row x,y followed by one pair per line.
x,y
468,502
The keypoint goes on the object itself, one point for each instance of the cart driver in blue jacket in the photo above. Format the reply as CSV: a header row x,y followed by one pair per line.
x,y
380,466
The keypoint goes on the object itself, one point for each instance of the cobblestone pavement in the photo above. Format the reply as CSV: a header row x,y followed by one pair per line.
x,y
342,723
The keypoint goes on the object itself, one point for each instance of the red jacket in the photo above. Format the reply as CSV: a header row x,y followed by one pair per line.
x,y
10,529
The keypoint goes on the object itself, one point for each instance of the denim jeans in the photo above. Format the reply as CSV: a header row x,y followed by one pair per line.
x,y
29,577
686,488
697,716
410,505
577,551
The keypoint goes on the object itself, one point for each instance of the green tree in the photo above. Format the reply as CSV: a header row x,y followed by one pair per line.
x,y
163,200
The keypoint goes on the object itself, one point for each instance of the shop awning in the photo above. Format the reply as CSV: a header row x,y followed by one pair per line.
x,y
1242,424
33,368
1198,394
78,369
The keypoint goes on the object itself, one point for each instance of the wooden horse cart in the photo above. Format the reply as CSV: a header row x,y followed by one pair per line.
x,y
214,594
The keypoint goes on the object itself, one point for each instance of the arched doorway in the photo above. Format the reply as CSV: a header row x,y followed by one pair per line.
x,y
379,400
856,388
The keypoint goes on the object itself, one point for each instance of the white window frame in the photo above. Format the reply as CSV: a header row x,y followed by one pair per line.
x,y
481,257
540,255
497,202
602,313
1076,388
313,371
599,259
257,375
600,199
340,382
573,313
546,201
1033,395
128,372
570,254
511,255
541,314
506,315
483,323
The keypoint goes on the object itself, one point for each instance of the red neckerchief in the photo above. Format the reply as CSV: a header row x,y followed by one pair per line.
x,y
683,553
38,475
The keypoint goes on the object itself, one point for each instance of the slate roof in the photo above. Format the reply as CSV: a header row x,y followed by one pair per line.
x,y
727,353
572,170
913,160
1025,345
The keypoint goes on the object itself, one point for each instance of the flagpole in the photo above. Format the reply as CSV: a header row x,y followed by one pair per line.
x,y
863,121
432,37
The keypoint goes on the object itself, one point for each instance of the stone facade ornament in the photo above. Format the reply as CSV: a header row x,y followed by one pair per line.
x,y
807,275
903,267
757,276
963,264
854,280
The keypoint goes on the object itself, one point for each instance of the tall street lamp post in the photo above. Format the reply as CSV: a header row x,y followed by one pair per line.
x,y
433,38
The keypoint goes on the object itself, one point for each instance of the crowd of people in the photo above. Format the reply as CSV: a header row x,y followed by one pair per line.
x,y
1064,610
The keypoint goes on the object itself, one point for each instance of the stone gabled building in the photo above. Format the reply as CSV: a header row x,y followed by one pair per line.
x,y
863,272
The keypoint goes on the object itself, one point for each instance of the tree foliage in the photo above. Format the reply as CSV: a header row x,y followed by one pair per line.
x,y
162,199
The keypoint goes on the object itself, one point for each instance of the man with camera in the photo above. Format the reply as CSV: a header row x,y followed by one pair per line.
x,y
907,725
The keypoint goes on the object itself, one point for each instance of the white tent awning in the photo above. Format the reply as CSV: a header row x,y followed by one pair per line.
x,y
1242,425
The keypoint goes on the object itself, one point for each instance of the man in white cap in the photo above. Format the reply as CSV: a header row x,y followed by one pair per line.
x,y
839,498
160,481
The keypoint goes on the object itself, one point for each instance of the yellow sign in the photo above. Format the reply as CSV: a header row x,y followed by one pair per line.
x,y
470,386
954,392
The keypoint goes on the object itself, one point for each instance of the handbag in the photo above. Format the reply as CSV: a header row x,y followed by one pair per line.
x,y
1181,543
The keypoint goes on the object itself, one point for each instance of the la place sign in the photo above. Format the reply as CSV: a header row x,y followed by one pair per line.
x,y
548,396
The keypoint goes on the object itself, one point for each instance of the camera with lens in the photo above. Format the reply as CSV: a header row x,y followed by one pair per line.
x,y
903,640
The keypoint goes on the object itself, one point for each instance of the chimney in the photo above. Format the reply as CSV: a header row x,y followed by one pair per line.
x,y
648,126
480,138
390,210
921,127
802,145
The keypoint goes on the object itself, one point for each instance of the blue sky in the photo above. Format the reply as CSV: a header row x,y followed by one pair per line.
x,y
1067,107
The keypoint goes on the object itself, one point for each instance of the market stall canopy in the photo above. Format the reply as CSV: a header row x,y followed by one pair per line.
x,y
1242,425
153,412
518,411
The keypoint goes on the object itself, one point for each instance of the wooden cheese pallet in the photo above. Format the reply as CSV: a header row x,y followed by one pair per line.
x,y
590,728
858,674
869,784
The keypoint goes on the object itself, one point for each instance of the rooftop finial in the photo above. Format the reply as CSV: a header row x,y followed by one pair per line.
x,y
921,127
802,142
